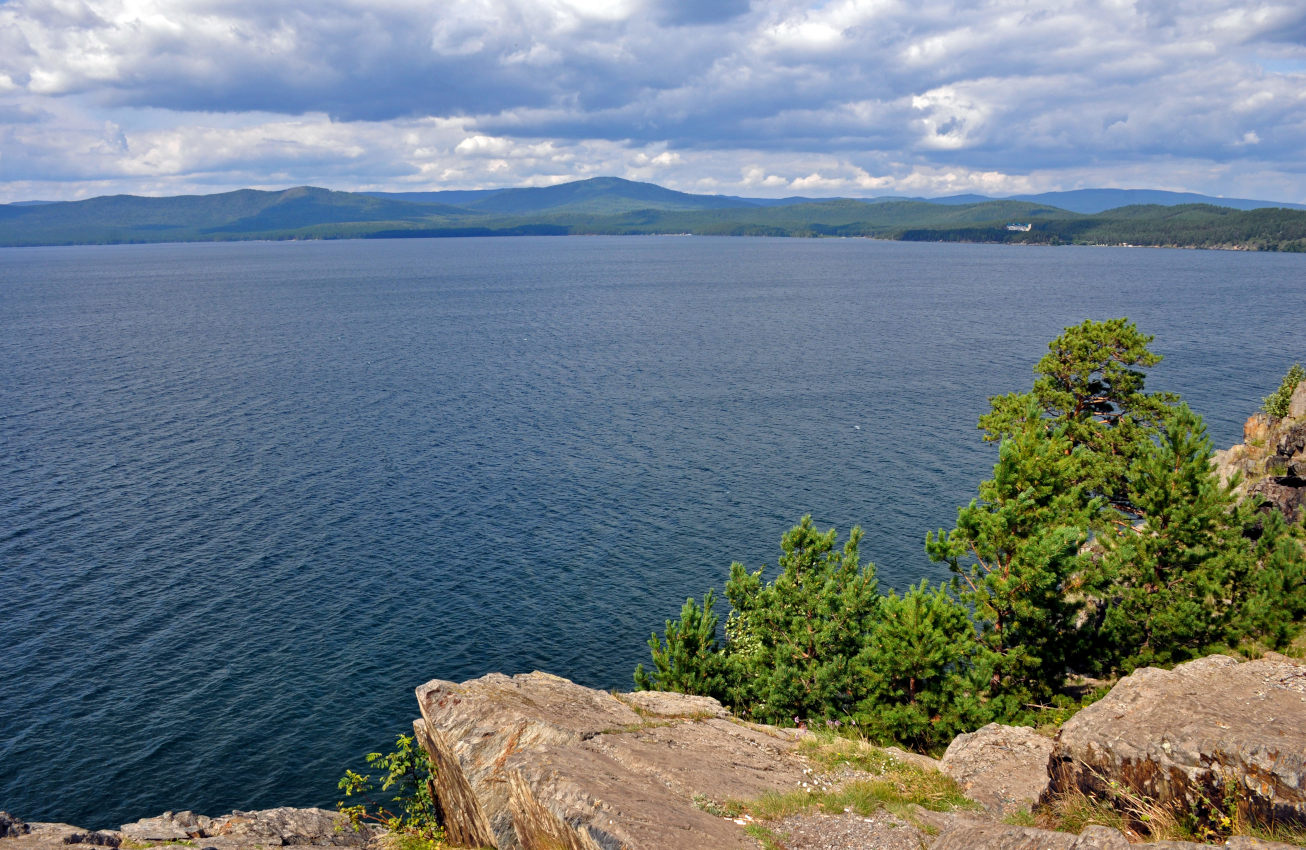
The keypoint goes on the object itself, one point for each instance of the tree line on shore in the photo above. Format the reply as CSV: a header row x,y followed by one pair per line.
x,y
1104,541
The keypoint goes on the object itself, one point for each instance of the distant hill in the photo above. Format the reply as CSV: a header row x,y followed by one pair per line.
x,y
1092,201
245,213
610,205
596,195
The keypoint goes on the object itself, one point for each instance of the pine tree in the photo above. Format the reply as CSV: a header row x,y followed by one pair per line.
x,y
1016,554
1175,575
795,640
1272,605
916,669
688,659
1091,383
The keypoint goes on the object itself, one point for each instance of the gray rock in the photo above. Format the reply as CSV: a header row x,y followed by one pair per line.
x,y
924,762
1297,403
535,760
52,836
95,839
169,826
236,831
267,828
1244,842
1095,837
1004,768
12,827
964,833
1187,737
968,834
286,826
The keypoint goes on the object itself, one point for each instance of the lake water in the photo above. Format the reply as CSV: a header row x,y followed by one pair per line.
x,y
255,493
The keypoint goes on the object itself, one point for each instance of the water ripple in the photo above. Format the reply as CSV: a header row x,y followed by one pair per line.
x,y
255,493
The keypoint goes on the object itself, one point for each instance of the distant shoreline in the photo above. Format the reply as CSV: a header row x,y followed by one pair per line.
x,y
612,207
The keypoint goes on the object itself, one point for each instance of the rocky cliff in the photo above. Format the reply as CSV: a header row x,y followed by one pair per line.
x,y
539,763
536,762
1271,459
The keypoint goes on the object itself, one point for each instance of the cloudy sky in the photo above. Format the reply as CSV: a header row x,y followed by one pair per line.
x,y
754,97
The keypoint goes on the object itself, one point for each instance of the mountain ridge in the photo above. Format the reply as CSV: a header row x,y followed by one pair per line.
x,y
612,205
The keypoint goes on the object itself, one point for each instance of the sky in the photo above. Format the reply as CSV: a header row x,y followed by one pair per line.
x,y
763,98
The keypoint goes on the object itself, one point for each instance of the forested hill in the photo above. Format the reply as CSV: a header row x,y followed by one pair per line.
x,y
615,206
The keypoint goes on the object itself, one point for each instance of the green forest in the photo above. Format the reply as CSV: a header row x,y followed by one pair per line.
x,y
1104,541
609,206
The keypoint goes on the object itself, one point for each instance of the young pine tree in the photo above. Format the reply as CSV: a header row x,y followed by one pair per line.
x,y
1016,554
795,640
1177,575
1091,383
916,670
688,659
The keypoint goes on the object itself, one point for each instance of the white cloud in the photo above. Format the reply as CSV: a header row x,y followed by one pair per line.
x,y
482,146
835,96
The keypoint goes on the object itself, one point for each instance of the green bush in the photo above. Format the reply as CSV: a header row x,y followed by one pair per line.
x,y
1276,404
411,812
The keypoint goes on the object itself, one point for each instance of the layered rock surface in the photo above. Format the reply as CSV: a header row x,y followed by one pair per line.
x,y
237,831
536,761
1192,736
1004,768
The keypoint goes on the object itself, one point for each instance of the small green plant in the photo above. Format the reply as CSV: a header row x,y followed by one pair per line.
x,y
728,809
1021,817
1276,404
893,785
764,836
410,815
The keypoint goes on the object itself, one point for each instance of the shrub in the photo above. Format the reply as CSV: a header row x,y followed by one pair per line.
x,y
411,812
1276,404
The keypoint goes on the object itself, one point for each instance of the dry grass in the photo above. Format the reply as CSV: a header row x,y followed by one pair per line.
x,y
1074,810
876,780
1210,821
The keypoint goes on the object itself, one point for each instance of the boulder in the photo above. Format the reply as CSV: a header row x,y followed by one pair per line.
x,y
267,828
1192,737
1286,494
1004,768
95,839
972,834
536,761
12,827
1297,402
286,826
169,826
1271,461
1256,429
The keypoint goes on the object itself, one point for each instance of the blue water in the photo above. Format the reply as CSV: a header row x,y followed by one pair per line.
x,y
254,493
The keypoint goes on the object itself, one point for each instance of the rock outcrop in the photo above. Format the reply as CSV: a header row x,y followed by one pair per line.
x,y
256,830
1192,737
536,761
12,827
1271,459
1004,768
964,834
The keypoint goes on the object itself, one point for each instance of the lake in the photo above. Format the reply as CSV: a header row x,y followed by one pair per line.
x,y
255,493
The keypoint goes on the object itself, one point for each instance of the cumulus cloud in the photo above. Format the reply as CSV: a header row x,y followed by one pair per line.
x,y
840,96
